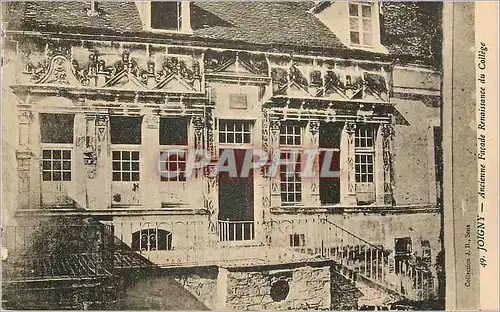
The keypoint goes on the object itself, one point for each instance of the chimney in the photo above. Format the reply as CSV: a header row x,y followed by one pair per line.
x,y
94,9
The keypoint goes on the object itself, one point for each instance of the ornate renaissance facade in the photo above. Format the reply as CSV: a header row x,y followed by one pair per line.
x,y
102,90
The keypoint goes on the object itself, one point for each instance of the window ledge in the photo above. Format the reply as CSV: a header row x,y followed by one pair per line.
x,y
374,48
170,31
367,209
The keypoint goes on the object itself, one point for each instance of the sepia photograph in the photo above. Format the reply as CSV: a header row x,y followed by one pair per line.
x,y
246,155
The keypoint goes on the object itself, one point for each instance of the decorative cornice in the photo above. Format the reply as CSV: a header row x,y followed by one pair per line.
x,y
372,209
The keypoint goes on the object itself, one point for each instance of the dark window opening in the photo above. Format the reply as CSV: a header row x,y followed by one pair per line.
x,y
329,187
403,249
151,239
438,154
173,131
329,135
279,290
297,240
166,15
56,128
125,130
329,160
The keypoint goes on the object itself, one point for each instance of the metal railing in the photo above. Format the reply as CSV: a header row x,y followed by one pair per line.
x,y
48,251
104,247
235,230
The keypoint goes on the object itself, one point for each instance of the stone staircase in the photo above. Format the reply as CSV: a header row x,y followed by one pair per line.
x,y
371,268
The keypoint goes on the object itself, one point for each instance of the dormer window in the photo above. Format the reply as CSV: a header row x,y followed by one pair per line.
x,y
361,23
171,16
166,15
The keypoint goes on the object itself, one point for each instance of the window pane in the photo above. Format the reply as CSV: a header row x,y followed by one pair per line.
x,y
116,155
125,176
354,37
367,11
56,165
47,175
46,154
367,24
116,165
135,176
173,131
66,176
56,128
125,130
46,165
354,23
165,14
353,9
135,155
56,154
367,38
56,176
67,154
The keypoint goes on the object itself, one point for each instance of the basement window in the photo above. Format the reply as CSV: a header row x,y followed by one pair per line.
x,y
151,240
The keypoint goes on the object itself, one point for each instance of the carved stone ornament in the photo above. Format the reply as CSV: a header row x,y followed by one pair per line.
x,y
314,127
152,121
101,120
387,131
350,127
25,117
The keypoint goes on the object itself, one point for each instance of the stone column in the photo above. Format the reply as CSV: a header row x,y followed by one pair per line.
x,y
311,183
378,167
274,154
98,174
83,188
149,160
195,142
25,162
347,165
387,132
205,127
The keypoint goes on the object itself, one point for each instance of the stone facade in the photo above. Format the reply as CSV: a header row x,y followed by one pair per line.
x,y
308,288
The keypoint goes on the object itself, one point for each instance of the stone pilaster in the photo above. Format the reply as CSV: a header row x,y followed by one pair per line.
x,y
275,159
387,132
25,161
149,161
311,182
347,165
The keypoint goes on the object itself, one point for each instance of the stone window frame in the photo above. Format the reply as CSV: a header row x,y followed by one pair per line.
x,y
134,174
296,135
180,164
290,181
65,174
242,133
360,21
364,149
183,13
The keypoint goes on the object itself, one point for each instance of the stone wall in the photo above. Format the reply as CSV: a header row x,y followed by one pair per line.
x,y
253,289
202,284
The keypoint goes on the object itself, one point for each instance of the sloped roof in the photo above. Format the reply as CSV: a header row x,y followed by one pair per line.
x,y
256,22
